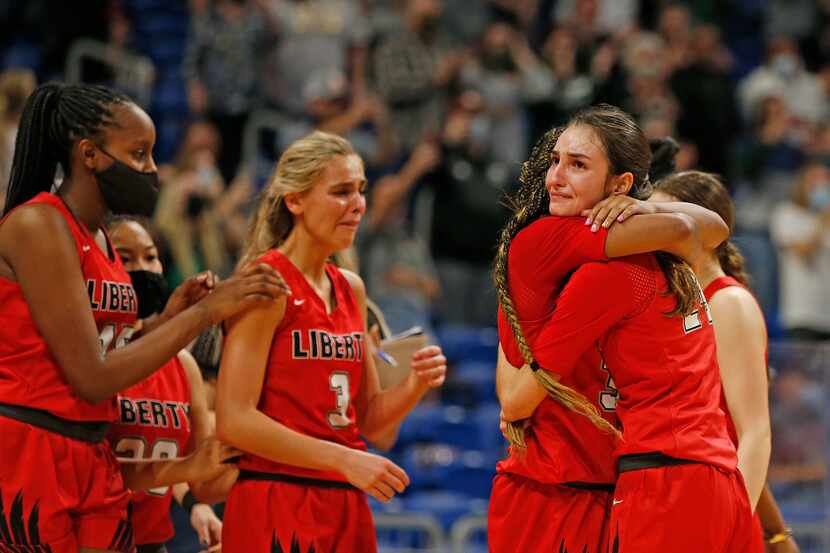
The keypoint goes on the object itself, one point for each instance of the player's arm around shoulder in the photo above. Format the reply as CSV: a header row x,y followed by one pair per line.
x,y
379,410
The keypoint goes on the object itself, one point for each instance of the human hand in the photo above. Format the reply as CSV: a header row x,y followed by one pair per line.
x,y
188,293
503,425
210,460
373,474
429,367
256,284
207,525
616,208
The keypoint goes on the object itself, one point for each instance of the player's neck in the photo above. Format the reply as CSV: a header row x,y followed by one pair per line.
x,y
88,208
708,271
306,255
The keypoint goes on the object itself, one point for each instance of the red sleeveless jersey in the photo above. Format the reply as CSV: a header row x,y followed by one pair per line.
x,y
29,374
665,368
561,446
715,286
315,367
153,423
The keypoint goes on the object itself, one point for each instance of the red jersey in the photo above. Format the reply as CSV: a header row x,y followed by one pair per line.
x,y
561,446
315,367
29,374
665,368
715,286
154,423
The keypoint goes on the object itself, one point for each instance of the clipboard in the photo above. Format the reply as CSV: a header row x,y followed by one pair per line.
x,y
396,352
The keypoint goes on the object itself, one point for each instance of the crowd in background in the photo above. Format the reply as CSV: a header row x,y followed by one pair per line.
x,y
444,98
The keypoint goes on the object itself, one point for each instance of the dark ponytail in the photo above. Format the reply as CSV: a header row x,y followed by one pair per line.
x,y
707,190
54,117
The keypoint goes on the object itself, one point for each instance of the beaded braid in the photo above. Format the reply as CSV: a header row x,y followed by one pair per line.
x,y
55,116
529,203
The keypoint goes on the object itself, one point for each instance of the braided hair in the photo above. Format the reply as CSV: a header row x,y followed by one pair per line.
x,y
55,116
628,151
530,202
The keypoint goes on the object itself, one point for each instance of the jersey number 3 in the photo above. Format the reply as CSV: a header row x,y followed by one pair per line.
x,y
339,383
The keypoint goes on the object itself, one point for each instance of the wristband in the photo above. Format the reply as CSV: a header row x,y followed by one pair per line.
x,y
780,537
188,502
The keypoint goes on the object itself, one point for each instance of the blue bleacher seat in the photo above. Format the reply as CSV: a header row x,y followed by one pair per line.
x,y
467,343
446,507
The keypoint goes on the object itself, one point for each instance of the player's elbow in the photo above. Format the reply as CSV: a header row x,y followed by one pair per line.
x,y
513,410
91,390
683,228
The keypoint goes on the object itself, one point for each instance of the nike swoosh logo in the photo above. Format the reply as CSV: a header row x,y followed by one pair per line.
x,y
618,501
299,302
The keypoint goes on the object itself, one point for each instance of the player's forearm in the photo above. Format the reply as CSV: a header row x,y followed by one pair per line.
x,y
519,393
709,229
154,474
217,489
772,521
753,460
254,432
388,408
127,365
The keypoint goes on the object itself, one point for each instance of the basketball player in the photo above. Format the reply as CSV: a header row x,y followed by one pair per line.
x,y
647,317
741,336
66,309
564,475
297,389
163,416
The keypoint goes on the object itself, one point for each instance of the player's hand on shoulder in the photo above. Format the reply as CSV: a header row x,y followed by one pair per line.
x,y
615,209
210,459
429,367
255,285
189,292
373,474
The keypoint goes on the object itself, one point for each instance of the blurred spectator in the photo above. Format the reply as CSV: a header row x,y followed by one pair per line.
x,y
362,120
411,71
506,74
705,94
647,66
801,231
792,18
606,16
185,211
15,87
221,68
571,89
396,263
783,75
312,35
468,214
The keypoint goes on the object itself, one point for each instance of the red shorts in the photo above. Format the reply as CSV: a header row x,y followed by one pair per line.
x,y
682,509
60,492
273,516
526,515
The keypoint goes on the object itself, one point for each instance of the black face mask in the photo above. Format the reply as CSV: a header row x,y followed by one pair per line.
x,y
151,291
127,191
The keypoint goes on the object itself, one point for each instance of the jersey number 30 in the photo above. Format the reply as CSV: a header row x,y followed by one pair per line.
x,y
136,448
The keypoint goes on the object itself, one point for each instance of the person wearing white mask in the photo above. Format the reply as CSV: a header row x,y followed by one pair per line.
x,y
800,229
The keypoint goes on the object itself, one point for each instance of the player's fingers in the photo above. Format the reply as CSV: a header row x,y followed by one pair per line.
x,y
398,472
627,212
428,363
433,373
611,216
426,352
395,482
376,494
385,489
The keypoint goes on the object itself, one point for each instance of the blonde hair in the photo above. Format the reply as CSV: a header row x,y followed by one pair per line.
x,y
297,170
